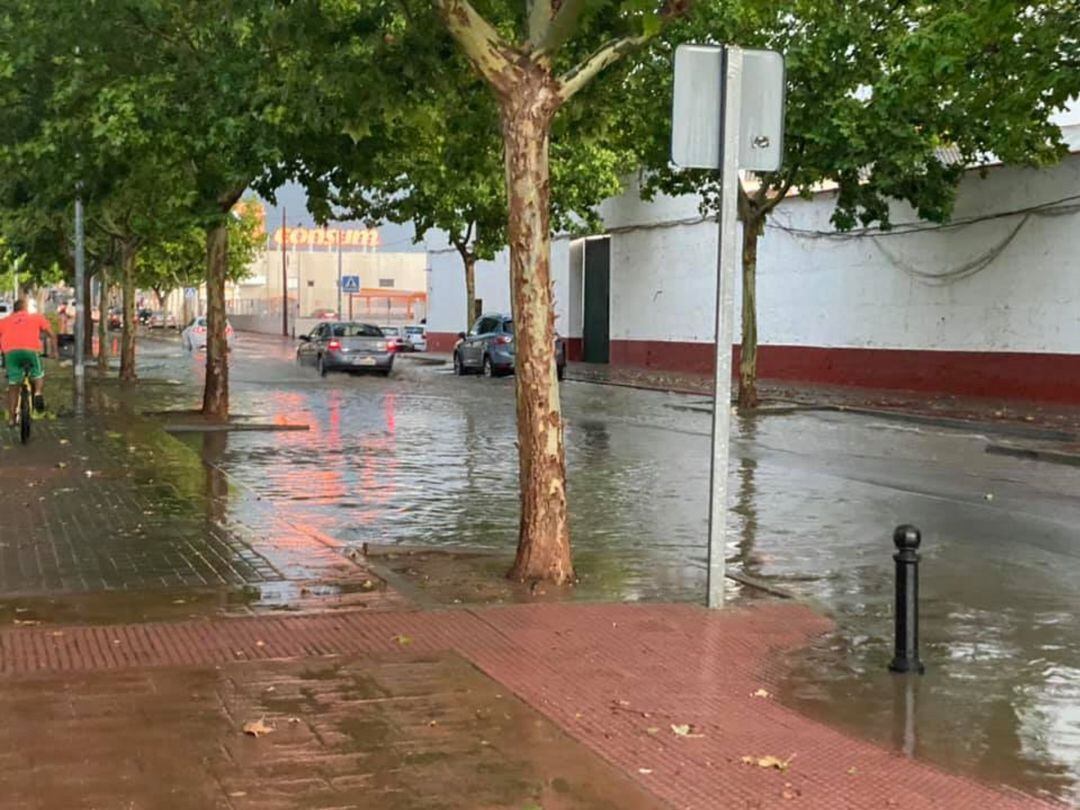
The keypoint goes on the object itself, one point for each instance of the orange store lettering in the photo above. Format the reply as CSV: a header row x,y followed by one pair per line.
x,y
327,238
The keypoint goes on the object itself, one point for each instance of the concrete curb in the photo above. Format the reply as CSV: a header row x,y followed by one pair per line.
x,y
1045,454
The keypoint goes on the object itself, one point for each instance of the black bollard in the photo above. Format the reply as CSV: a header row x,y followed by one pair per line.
x,y
906,659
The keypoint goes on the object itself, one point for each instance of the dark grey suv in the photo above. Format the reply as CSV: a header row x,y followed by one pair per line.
x,y
489,348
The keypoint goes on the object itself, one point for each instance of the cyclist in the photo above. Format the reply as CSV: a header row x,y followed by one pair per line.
x,y
20,343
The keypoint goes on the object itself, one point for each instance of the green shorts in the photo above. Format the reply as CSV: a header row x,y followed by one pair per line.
x,y
18,361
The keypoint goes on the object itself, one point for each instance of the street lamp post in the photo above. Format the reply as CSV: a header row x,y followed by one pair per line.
x,y
80,308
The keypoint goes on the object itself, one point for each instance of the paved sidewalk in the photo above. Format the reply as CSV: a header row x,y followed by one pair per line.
x,y
1017,417
111,518
677,699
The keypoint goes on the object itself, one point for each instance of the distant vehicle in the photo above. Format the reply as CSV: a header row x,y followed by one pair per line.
x,y
116,318
162,320
144,316
395,339
5,308
324,314
194,337
346,346
489,348
416,337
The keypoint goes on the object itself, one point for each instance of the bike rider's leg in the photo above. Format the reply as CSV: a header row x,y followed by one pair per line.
x,y
39,394
37,380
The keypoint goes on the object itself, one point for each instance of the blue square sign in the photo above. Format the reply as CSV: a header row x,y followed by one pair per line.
x,y
350,284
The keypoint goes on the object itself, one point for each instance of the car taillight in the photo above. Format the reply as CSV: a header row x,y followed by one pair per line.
x,y
228,330
381,345
504,339
198,330
334,345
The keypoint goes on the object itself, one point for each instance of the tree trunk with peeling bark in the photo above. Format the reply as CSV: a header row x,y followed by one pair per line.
x,y
470,291
748,352
544,534
103,319
216,389
529,94
127,337
468,259
88,322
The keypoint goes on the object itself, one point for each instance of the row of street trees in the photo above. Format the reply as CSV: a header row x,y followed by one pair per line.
x,y
494,122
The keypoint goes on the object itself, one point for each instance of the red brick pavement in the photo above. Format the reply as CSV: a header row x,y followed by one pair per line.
x,y
616,677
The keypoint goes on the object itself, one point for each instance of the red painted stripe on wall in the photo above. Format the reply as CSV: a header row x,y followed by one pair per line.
x,y
1019,375
441,341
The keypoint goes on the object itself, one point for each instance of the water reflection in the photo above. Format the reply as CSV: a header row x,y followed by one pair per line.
x,y
431,460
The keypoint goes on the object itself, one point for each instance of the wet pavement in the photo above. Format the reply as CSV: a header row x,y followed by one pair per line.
x,y
404,733
426,459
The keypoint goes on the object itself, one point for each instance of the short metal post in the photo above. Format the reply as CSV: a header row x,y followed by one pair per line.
x,y
906,658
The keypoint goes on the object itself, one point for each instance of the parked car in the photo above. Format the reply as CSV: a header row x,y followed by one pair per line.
x,y
144,316
194,337
162,320
488,348
395,339
324,314
417,338
346,346
116,318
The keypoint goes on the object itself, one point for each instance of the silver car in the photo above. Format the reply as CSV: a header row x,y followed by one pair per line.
x,y
195,336
489,348
346,346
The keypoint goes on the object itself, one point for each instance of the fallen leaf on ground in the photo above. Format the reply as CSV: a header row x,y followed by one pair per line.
x,y
851,771
761,693
257,728
403,640
684,730
112,434
652,730
769,761
61,464
790,792
645,771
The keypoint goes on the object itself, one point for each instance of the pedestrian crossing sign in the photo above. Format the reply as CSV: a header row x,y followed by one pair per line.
x,y
350,284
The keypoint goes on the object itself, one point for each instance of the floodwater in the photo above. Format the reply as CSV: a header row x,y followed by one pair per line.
x,y
427,459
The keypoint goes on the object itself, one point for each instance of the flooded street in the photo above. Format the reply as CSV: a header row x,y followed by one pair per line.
x,y
427,459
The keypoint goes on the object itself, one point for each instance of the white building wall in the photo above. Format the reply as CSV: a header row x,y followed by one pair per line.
x,y
829,290
446,287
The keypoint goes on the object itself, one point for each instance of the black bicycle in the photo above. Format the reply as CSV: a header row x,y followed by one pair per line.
x,y
26,397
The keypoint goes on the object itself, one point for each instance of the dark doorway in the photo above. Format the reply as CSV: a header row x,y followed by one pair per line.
x,y
597,304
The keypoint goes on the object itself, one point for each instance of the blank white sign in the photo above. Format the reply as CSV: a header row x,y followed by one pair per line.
x,y
697,102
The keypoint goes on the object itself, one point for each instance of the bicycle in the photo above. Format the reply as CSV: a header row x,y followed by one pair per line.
x,y
26,396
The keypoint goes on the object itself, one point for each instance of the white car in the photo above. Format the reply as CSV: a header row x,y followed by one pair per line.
x,y
416,337
194,336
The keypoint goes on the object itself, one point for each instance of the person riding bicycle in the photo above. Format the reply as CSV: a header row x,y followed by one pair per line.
x,y
20,343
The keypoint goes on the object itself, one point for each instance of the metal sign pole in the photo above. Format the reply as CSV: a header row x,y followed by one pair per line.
x,y
81,309
731,112
339,312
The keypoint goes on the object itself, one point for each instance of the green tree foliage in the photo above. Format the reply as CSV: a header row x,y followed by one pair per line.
x,y
885,101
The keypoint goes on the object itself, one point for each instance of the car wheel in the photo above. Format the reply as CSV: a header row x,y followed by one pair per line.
x,y
489,370
384,372
321,366
459,369
299,359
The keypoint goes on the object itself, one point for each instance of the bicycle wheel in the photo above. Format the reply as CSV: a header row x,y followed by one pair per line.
x,y
24,414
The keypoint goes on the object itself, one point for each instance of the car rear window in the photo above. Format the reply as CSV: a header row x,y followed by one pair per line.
x,y
356,330
508,326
